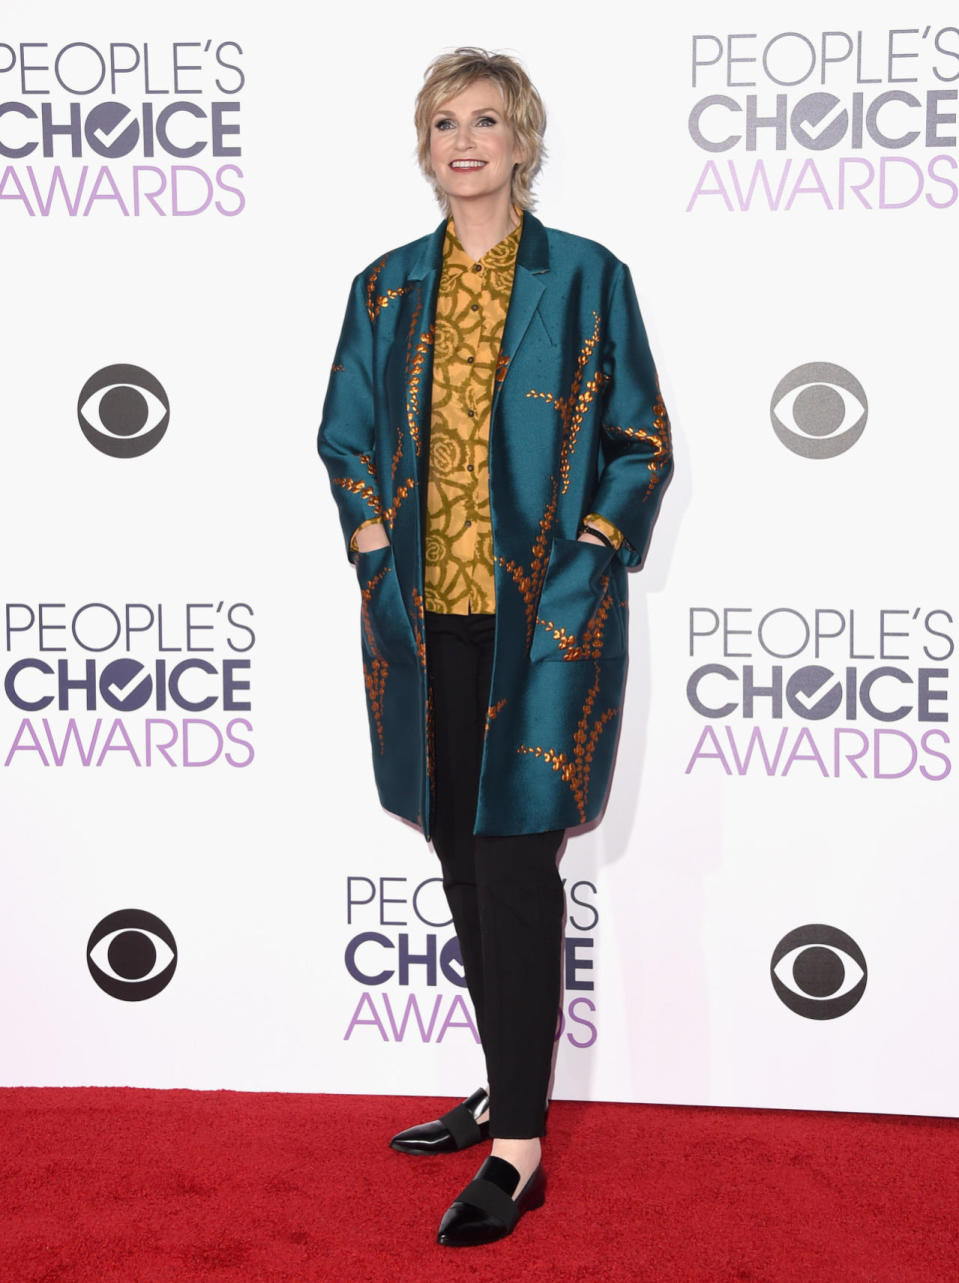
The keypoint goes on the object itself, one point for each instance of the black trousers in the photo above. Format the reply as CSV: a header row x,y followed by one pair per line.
x,y
505,893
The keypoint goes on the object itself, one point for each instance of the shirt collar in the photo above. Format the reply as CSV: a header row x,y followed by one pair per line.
x,y
502,256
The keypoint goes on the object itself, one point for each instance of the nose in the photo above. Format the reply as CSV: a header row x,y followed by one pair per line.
x,y
464,136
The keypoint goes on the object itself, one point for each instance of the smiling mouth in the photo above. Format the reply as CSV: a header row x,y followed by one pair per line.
x,y
467,164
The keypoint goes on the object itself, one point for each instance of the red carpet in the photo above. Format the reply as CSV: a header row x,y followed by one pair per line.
x,y
105,1185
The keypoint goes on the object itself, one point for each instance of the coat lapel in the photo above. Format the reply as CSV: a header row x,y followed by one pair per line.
x,y
529,285
419,313
419,310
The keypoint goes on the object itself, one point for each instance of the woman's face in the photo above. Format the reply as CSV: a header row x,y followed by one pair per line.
x,y
472,146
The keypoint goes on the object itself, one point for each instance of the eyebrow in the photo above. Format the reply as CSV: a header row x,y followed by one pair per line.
x,y
480,111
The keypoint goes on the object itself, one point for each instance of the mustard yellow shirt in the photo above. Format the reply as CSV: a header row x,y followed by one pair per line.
x,y
471,312
471,309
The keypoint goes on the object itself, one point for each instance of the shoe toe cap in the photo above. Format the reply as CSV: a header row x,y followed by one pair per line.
x,y
464,1225
426,1138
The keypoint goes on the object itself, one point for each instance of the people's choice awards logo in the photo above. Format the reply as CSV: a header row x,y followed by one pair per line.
x,y
812,691
413,983
837,121
818,971
131,955
112,129
123,411
819,410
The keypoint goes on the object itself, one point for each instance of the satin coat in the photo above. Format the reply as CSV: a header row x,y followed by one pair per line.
x,y
577,426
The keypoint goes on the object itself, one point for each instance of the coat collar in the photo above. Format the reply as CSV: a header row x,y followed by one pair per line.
x,y
529,284
532,255
430,257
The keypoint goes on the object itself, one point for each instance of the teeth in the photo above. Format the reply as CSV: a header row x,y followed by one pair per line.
x,y
468,164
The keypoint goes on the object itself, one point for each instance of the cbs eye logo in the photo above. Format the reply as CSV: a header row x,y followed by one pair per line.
x,y
131,955
123,411
818,971
819,410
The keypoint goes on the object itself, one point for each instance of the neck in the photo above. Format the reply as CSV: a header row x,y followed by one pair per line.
x,y
482,223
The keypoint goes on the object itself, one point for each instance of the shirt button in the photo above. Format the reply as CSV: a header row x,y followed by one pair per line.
x,y
477,267
469,360
468,524
474,307
469,467
471,413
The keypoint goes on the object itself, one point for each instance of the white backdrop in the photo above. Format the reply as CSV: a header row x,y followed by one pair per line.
x,y
276,873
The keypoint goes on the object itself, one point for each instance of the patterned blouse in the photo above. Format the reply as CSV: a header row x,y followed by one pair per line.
x,y
471,312
470,316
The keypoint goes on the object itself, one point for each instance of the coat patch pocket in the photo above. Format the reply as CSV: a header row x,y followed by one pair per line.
x,y
386,629
578,617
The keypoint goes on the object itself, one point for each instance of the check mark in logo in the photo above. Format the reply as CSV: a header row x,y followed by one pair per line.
x,y
110,134
814,690
125,685
814,131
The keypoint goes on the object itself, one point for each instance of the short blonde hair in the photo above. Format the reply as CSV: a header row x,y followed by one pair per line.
x,y
451,73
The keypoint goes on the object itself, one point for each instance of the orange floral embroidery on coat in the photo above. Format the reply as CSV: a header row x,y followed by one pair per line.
x,y
591,644
575,766
376,302
368,494
573,407
659,439
377,670
530,581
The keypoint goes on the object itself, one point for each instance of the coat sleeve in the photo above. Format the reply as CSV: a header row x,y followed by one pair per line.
x,y
346,436
636,446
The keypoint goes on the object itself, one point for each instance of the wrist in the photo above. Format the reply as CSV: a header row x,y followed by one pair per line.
x,y
602,528
597,535
370,536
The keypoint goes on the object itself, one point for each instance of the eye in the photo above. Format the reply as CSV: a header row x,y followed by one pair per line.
x,y
486,120
818,971
444,124
123,410
819,410
132,955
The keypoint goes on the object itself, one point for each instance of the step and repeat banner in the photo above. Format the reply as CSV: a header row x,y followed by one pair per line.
x,y
199,886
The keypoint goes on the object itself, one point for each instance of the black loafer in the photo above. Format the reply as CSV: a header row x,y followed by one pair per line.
x,y
486,1209
455,1130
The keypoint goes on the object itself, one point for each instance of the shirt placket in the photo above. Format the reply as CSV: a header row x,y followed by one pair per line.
x,y
477,278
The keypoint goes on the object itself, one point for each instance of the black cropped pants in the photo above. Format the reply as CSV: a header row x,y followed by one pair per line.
x,y
505,893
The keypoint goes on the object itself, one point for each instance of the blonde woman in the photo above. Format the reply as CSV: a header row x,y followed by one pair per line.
x,y
498,448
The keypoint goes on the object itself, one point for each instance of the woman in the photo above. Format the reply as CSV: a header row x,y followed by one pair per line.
x,y
497,447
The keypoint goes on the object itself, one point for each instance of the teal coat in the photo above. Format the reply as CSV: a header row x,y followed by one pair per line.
x,y
577,426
